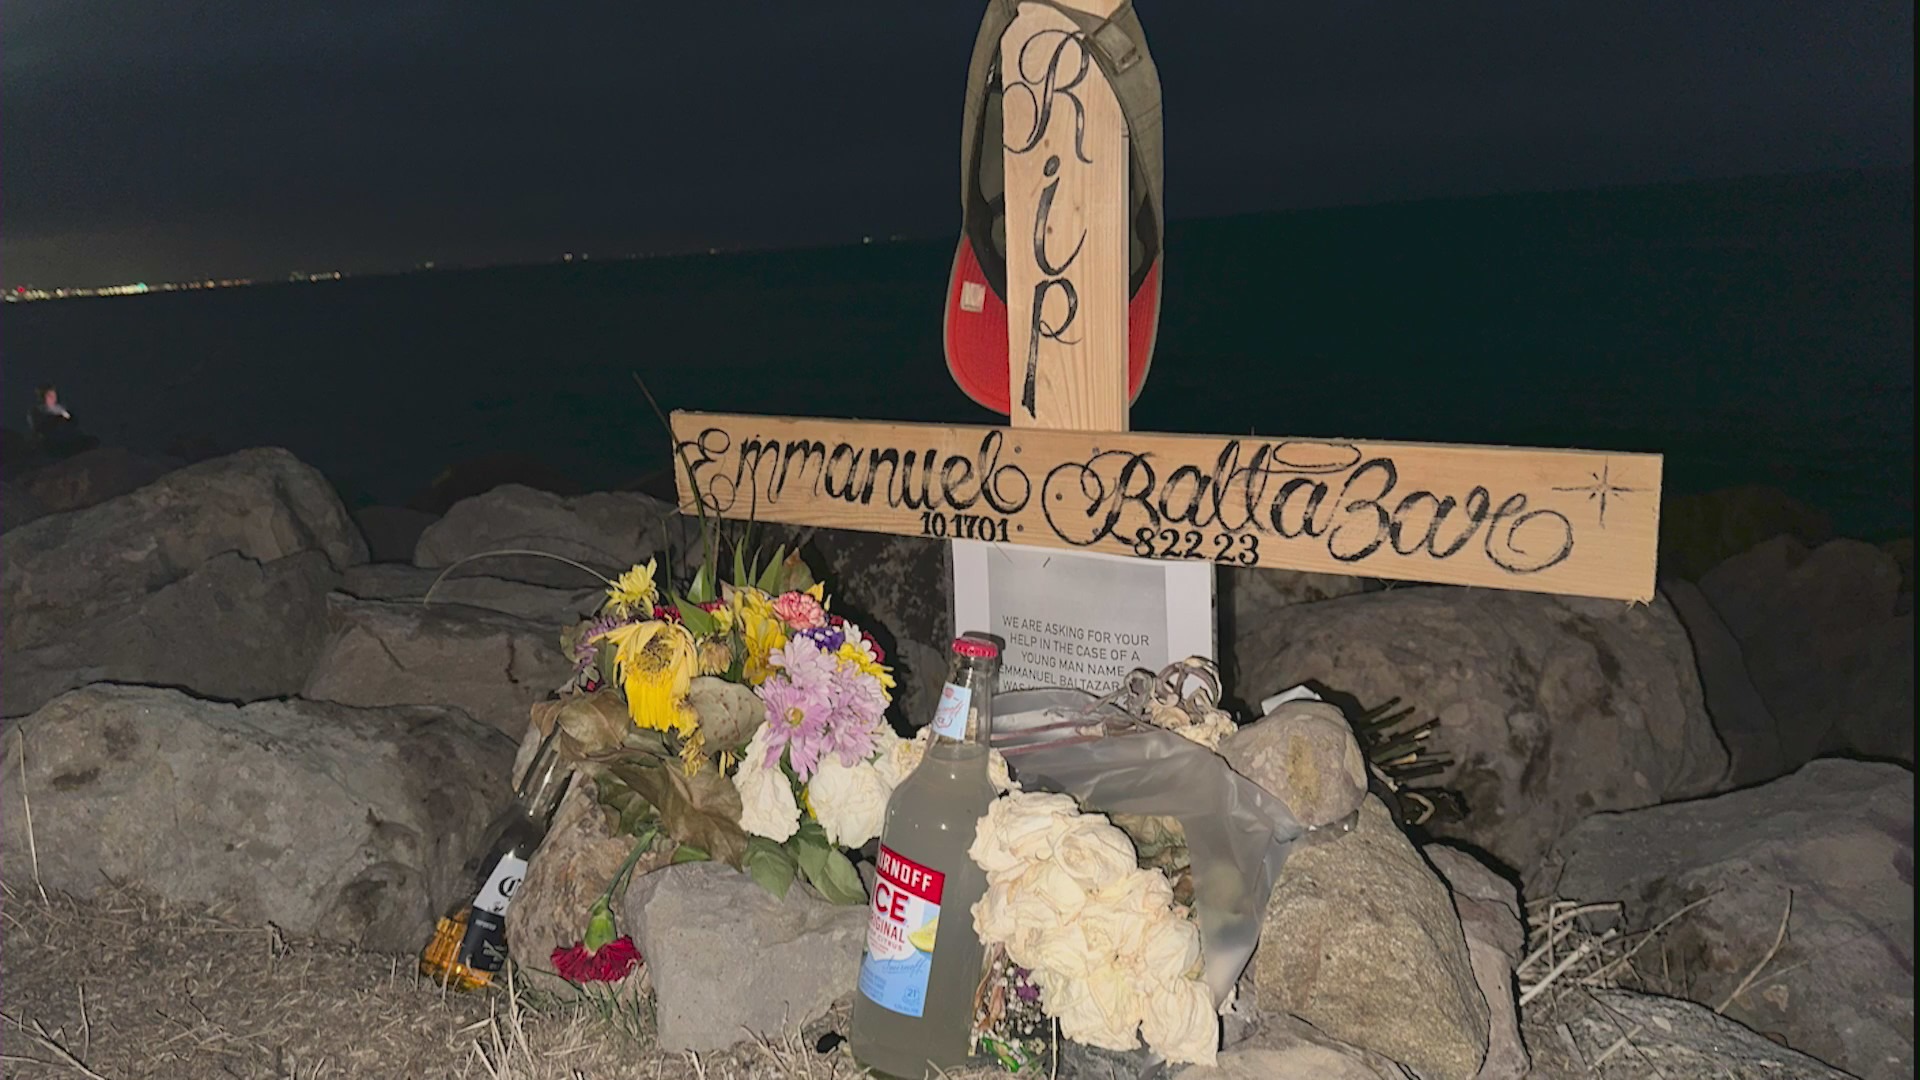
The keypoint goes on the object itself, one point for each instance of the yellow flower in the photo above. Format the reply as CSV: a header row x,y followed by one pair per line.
x,y
634,590
855,652
656,661
760,629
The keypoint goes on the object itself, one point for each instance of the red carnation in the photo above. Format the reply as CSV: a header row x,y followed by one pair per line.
x,y
879,654
664,613
610,963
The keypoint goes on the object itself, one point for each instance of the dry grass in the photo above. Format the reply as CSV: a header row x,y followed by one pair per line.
x,y
120,986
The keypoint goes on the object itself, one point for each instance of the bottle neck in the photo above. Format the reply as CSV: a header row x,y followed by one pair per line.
x,y
545,781
965,716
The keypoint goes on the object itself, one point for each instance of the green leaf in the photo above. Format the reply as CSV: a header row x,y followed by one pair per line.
x,y
701,590
812,857
796,576
699,623
740,565
687,853
838,881
771,865
770,581
702,810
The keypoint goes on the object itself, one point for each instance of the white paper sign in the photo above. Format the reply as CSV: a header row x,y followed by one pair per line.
x,y
1081,620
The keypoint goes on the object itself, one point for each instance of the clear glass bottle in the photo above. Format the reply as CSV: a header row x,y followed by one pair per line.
x,y
469,945
914,1013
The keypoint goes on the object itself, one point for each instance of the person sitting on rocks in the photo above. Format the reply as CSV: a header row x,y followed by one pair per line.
x,y
54,428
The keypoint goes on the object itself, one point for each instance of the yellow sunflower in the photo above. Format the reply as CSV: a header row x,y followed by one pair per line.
x,y
656,661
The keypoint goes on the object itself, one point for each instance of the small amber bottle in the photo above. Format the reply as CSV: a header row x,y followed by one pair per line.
x,y
469,945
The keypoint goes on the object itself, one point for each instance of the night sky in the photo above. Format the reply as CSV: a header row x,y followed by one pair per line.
x,y
149,141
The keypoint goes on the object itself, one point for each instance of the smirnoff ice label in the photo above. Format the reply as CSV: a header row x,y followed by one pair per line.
x,y
900,932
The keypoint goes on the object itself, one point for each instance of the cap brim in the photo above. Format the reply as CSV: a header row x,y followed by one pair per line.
x,y
976,333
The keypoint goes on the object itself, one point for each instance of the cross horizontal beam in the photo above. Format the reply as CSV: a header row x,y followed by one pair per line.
x,y
1577,522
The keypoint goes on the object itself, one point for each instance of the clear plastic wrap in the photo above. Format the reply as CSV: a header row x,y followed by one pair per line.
x,y
1238,835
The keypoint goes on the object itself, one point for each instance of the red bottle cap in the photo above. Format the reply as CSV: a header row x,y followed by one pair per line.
x,y
977,648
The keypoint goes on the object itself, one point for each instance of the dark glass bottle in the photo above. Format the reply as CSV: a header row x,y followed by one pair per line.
x,y
469,945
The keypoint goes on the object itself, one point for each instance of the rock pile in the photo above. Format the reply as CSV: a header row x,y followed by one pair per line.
x,y
213,694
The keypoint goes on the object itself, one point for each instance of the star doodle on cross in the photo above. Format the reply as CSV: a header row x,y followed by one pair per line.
x,y
1602,488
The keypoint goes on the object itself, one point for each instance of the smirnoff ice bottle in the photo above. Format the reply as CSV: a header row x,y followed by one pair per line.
x,y
914,1012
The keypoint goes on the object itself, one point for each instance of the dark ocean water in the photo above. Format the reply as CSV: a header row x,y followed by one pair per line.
x,y
1752,331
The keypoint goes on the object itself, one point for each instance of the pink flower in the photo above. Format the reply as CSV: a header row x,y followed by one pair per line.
x,y
800,611
858,714
797,713
610,963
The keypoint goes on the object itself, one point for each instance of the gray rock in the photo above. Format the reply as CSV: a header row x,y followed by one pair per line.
x,y
1665,1038
493,667
1489,910
1247,596
1739,713
392,532
728,961
556,608
1835,837
232,629
1286,1048
1305,753
1828,645
1551,708
90,478
18,506
1078,1061
345,824
608,531
64,571
1360,939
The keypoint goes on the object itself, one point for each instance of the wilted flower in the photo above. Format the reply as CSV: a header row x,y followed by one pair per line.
x,y
610,963
656,661
634,590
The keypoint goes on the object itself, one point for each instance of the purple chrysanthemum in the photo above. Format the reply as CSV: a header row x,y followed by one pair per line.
x,y
797,723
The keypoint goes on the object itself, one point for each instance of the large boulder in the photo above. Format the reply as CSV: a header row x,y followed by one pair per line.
x,y
400,583
1623,1035
64,571
94,476
1828,645
345,824
18,506
1248,595
608,531
1746,726
1285,1048
1305,753
1551,708
491,666
729,962
232,629
1834,841
1489,910
1360,939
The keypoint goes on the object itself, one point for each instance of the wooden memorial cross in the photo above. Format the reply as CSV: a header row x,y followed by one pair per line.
x,y
1066,474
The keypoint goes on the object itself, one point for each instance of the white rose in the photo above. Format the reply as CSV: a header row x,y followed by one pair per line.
x,y
1180,1023
1113,929
1143,892
1063,948
895,757
849,802
1095,852
1172,948
767,806
993,916
1082,1019
1052,885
